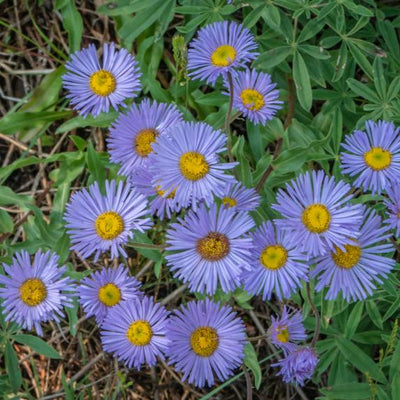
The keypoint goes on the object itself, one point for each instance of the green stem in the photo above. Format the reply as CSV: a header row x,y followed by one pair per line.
x,y
158,247
228,118
317,316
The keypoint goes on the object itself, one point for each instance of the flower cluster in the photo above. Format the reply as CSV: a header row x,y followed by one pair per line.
x,y
172,169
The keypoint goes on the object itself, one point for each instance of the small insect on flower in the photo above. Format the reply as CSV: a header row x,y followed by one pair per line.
x,y
315,210
186,160
205,340
35,292
373,155
135,331
104,289
255,96
97,223
239,197
160,205
220,47
352,270
133,134
276,265
298,365
286,330
393,207
96,86
210,248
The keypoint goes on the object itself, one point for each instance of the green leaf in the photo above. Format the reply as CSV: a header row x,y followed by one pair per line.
x,y
95,165
8,197
104,120
379,77
37,344
12,367
341,63
6,222
359,359
139,237
13,123
348,391
133,27
272,57
79,142
251,362
310,30
357,9
360,58
302,81
354,319
363,90
374,314
73,24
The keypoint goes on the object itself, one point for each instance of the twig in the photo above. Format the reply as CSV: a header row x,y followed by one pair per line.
x,y
249,391
174,294
317,317
144,269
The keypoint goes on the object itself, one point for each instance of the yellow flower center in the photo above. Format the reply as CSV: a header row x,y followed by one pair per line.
x,y
193,165
316,218
143,141
109,225
229,202
109,295
223,56
161,193
33,292
283,335
377,158
204,341
347,259
252,99
213,247
102,82
139,333
273,257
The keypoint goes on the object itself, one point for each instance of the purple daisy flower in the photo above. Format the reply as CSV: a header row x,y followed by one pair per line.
x,y
239,197
210,247
220,48
133,134
316,212
205,339
104,289
97,223
373,155
188,161
160,205
276,264
298,366
287,329
135,331
94,86
255,96
35,292
393,207
353,269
